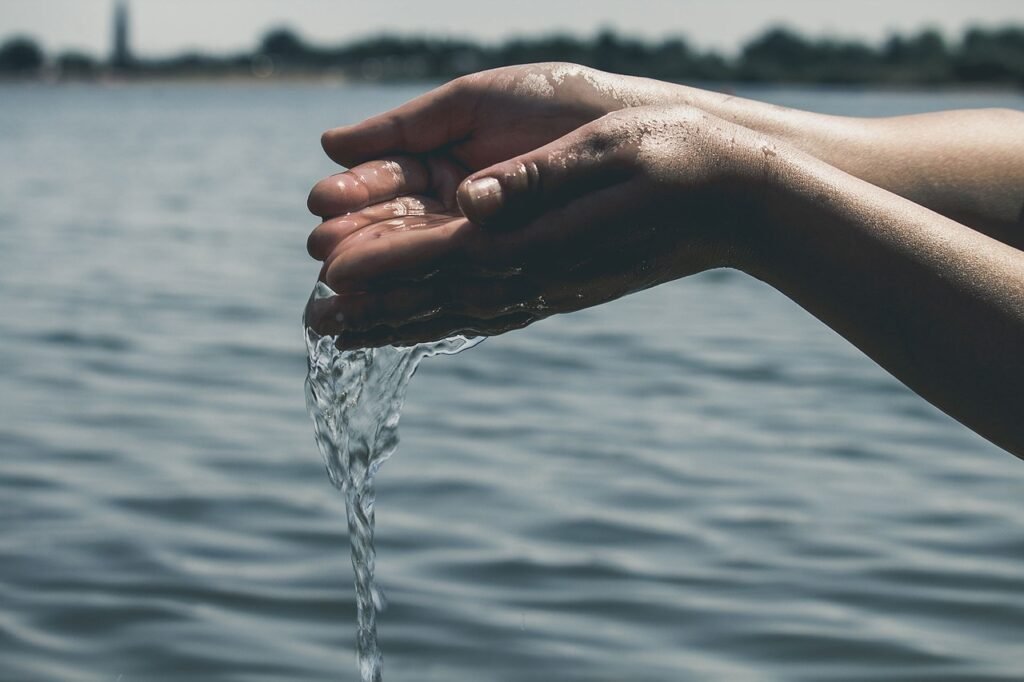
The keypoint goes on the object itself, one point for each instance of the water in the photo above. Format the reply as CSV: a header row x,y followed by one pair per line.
x,y
355,398
698,482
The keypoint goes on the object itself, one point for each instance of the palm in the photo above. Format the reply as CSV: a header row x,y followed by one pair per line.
x,y
409,265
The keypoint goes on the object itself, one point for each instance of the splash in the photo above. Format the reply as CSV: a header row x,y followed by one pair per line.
x,y
355,398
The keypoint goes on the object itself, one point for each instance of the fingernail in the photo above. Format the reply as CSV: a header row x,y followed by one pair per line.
x,y
485,196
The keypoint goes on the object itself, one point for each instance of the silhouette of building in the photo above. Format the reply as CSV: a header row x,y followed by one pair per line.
x,y
120,55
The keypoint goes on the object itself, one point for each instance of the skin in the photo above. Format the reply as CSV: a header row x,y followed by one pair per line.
x,y
595,186
963,164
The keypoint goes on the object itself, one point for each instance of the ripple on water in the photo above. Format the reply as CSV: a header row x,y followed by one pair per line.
x,y
697,482
112,343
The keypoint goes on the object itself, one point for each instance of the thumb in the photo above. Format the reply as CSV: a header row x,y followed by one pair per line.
x,y
514,191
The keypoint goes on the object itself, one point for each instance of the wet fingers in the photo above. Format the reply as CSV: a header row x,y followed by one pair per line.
x,y
326,236
398,247
368,183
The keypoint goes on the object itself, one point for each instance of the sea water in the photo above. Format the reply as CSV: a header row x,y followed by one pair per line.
x,y
355,399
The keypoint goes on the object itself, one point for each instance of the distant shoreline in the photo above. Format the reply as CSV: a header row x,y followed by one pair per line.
x,y
981,59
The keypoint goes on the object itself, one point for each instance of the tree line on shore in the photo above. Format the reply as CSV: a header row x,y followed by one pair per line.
x,y
978,56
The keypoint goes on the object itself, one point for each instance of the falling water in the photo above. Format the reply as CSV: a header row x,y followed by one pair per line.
x,y
355,399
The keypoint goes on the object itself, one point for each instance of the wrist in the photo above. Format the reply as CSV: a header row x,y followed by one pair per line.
x,y
779,183
808,213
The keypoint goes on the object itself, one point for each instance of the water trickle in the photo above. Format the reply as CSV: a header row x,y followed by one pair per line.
x,y
355,399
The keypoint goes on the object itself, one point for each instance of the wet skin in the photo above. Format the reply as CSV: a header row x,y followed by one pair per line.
x,y
607,221
594,186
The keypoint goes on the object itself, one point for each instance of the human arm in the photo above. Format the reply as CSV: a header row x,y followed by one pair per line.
x,y
967,165
647,195
937,304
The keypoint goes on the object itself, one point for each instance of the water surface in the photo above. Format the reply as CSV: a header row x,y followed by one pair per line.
x,y
699,482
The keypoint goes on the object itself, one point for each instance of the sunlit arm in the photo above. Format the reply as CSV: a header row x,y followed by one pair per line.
x,y
937,304
967,165
903,234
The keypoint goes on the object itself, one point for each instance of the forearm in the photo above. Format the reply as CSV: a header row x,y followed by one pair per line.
x,y
966,165
937,304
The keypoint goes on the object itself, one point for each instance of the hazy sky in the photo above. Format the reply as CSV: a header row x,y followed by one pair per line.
x,y
164,26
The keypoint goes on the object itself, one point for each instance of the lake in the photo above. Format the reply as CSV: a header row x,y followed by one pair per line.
x,y
699,482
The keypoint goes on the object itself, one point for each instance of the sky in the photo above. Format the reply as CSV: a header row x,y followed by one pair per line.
x,y
162,27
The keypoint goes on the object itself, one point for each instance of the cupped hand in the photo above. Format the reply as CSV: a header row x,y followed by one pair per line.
x,y
638,197
434,141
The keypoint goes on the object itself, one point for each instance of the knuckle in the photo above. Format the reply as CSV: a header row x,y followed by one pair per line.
x,y
532,176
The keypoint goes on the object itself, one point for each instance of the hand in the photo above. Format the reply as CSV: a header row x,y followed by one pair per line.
x,y
430,144
486,117
638,197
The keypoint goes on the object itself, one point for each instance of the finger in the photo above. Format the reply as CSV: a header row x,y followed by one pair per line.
x,y
397,246
328,234
428,122
366,184
559,238
510,192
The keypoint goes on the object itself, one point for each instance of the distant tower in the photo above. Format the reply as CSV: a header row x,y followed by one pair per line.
x,y
120,55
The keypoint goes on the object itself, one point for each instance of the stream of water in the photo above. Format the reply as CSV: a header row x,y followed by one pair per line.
x,y
355,399
697,482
